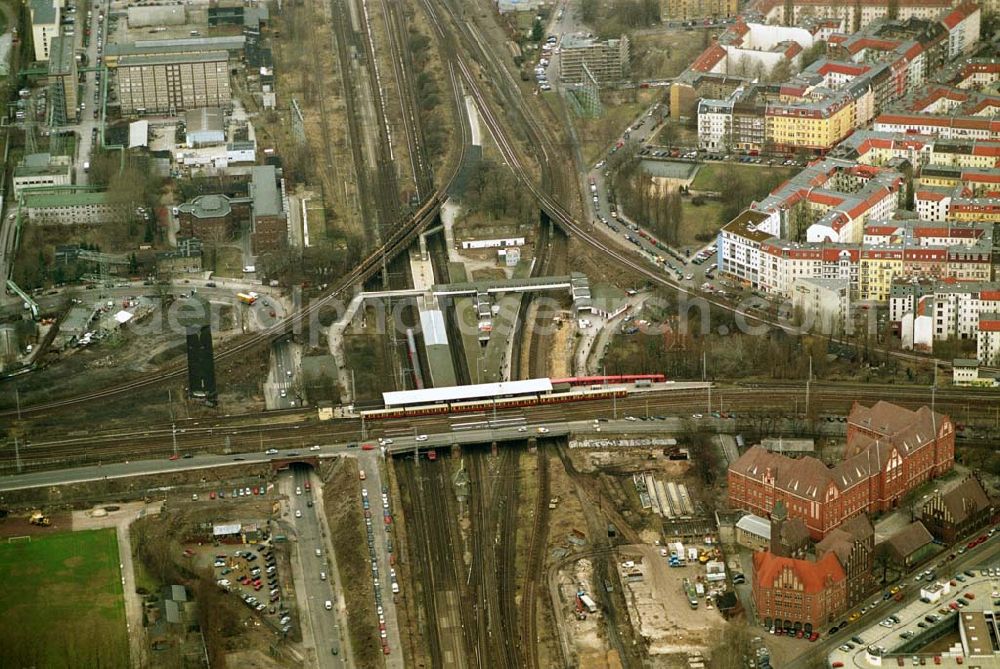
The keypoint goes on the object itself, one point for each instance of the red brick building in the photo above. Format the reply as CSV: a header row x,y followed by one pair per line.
x,y
798,594
890,450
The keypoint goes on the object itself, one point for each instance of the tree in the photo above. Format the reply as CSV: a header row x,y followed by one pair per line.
x,y
732,648
537,30
781,72
883,559
812,54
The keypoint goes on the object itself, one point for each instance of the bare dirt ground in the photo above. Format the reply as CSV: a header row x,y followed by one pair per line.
x,y
590,645
599,268
659,609
253,659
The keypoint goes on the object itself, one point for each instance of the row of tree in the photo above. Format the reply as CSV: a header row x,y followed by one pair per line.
x,y
660,209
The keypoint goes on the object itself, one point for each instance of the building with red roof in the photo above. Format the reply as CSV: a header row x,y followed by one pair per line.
x,y
798,594
890,450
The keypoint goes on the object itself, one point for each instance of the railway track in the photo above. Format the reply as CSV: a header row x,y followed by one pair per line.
x,y
340,20
429,539
246,433
603,564
402,65
533,564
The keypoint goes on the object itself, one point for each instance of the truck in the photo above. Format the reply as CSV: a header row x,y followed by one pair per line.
x,y
691,594
586,601
247,298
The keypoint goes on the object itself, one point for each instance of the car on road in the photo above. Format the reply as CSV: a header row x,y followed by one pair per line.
x,y
543,430
314,447
697,416
298,513
421,437
298,490
271,451
328,605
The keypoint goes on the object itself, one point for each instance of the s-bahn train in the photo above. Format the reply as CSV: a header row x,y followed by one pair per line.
x,y
637,379
490,404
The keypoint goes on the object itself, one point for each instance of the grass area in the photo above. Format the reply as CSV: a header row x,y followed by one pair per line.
x,y
675,133
703,220
710,175
365,354
228,261
62,601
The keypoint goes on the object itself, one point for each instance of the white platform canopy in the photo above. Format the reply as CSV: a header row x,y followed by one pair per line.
x,y
461,393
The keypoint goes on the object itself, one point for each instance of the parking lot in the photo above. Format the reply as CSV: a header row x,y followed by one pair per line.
x,y
906,635
252,574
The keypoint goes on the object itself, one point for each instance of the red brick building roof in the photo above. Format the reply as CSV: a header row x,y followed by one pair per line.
x,y
814,576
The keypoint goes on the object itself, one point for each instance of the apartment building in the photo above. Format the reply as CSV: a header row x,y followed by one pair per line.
x,y
824,304
974,73
963,24
63,82
942,126
687,10
715,125
988,339
852,14
888,252
956,309
607,60
890,450
45,17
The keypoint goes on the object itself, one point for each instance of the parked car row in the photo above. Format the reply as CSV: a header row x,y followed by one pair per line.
x,y
372,555
248,491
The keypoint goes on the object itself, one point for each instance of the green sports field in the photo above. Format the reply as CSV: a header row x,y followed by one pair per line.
x,y
61,601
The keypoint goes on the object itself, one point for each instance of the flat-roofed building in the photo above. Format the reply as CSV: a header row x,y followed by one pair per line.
x,y
81,208
205,126
42,169
63,80
44,25
168,83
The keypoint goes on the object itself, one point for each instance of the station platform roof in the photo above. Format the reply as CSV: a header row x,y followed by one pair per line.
x,y
462,393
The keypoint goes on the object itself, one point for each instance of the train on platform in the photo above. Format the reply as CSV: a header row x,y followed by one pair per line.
x,y
636,379
495,404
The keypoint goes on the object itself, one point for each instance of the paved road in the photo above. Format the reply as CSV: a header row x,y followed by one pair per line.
x,y
382,533
89,95
281,391
313,583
